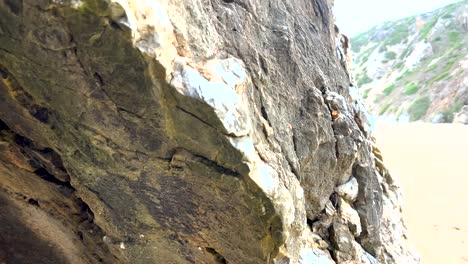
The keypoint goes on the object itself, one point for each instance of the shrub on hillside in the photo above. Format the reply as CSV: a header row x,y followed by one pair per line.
x,y
390,55
389,89
419,108
366,93
363,80
385,108
447,16
411,88
450,112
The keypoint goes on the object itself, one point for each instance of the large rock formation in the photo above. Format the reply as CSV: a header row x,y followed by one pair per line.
x,y
186,132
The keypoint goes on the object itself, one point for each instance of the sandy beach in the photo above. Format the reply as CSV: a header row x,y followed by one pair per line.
x,y
431,163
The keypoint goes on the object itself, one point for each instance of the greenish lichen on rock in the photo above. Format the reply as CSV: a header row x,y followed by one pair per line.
x,y
189,132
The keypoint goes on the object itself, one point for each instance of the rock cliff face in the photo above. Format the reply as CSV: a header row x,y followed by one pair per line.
x,y
202,131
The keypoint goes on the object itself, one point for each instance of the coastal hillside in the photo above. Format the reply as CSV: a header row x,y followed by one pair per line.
x,y
415,68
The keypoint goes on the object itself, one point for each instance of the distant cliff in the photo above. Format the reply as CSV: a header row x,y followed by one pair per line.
x,y
186,132
415,68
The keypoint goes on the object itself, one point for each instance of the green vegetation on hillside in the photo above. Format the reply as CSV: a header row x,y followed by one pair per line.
x,y
440,77
365,55
389,89
385,108
359,41
419,108
411,88
416,58
453,37
407,52
450,112
424,32
390,55
364,79
447,16
400,31
366,93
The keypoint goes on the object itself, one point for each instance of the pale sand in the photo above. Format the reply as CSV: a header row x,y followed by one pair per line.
x,y
431,163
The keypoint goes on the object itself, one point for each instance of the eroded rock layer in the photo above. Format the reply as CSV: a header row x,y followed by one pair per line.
x,y
200,131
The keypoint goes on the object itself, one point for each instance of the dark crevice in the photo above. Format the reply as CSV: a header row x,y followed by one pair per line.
x,y
115,25
196,117
333,245
333,255
120,109
22,141
40,113
29,149
85,212
264,113
3,126
263,65
45,161
324,90
98,79
80,235
14,6
219,258
337,153
78,59
47,150
206,123
45,175
216,166
293,169
33,202
294,140
291,164
334,199
3,73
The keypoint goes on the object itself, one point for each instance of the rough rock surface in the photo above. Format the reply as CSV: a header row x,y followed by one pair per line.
x,y
462,116
200,131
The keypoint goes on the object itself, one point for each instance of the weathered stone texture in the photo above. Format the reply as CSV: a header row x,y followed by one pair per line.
x,y
200,131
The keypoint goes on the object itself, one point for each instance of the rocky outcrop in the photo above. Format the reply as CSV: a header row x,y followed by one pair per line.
x,y
462,116
186,132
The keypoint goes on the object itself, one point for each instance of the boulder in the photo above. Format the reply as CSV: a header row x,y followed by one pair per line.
x,y
349,190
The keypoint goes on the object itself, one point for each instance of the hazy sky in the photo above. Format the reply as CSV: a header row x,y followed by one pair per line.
x,y
356,16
